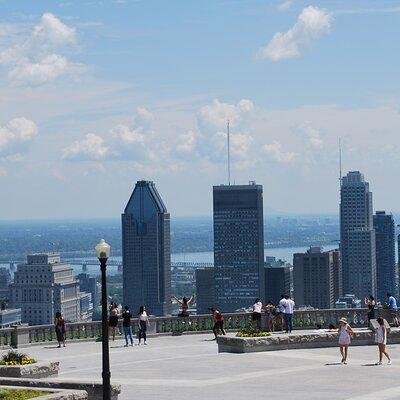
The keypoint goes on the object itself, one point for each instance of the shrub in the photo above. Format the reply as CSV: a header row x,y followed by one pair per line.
x,y
16,358
252,333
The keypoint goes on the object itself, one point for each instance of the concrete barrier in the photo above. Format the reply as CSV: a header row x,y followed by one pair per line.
x,y
298,340
37,370
54,394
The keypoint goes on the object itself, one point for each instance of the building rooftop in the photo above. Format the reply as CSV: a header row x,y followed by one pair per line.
x,y
189,367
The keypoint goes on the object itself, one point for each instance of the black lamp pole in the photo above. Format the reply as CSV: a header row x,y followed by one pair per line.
x,y
106,374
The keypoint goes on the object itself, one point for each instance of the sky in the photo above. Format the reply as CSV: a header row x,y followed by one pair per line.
x,y
95,95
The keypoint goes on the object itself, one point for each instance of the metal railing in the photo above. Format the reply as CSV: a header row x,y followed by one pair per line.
x,y
91,330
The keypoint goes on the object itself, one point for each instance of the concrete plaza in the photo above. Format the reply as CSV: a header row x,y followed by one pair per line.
x,y
189,367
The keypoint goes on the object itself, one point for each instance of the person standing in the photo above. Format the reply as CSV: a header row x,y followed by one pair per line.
x,y
393,308
288,313
256,315
126,324
281,312
370,303
345,333
218,322
113,318
271,312
381,338
60,328
184,303
143,323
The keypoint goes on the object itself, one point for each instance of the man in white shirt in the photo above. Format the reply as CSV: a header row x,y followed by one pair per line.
x,y
288,313
281,309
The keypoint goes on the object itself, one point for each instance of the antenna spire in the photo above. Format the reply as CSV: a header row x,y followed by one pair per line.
x,y
229,154
340,161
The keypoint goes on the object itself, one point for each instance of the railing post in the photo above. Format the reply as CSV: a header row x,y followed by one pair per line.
x,y
19,335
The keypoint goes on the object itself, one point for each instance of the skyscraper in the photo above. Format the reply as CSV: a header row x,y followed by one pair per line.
x,y
357,236
386,268
205,290
315,276
43,286
238,245
278,281
146,251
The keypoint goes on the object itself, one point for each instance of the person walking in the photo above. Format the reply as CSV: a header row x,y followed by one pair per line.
x,y
370,303
288,313
113,318
345,333
381,338
143,323
218,322
393,308
256,315
126,325
60,328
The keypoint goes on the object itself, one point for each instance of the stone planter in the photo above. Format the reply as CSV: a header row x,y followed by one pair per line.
x,y
34,371
298,340
54,394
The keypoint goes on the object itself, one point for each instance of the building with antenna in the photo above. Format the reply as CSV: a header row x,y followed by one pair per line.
x,y
146,251
357,236
238,245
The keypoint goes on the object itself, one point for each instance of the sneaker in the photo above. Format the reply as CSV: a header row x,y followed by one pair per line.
x,y
378,363
145,343
126,345
345,362
390,362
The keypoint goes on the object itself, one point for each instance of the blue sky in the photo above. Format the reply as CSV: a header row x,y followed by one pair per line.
x,y
95,95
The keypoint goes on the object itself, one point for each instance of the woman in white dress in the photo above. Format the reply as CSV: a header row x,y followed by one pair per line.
x,y
380,338
345,334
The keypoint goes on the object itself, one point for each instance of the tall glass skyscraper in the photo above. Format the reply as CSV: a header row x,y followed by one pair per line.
x,y
146,251
238,245
386,268
357,236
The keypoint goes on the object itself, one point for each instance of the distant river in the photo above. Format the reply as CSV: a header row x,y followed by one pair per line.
x,y
283,253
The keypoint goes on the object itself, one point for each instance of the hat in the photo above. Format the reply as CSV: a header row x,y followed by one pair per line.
x,y
343,319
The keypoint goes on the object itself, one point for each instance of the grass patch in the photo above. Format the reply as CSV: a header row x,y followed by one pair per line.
x,y
20,394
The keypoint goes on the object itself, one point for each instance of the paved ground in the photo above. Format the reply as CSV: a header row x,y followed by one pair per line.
x,y
189,367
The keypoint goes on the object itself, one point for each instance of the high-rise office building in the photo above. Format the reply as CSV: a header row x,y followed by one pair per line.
x,y
278,281
205,290
89,284
316,278
386,268
357,236
43,286
146,251
238,245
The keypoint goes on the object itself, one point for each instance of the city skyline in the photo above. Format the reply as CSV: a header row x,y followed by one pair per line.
x,y
154,106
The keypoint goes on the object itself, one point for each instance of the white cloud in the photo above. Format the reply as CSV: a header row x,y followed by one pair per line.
x,y
274,150
144,116
313,137
3,171
92,147
15,136
286,5
311,23
216,115
128,135
33,57
187,142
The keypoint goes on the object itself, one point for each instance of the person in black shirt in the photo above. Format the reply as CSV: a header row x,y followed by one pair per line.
x,y
126,316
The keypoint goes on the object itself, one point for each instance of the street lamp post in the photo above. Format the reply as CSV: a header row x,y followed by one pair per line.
x,y
102,253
